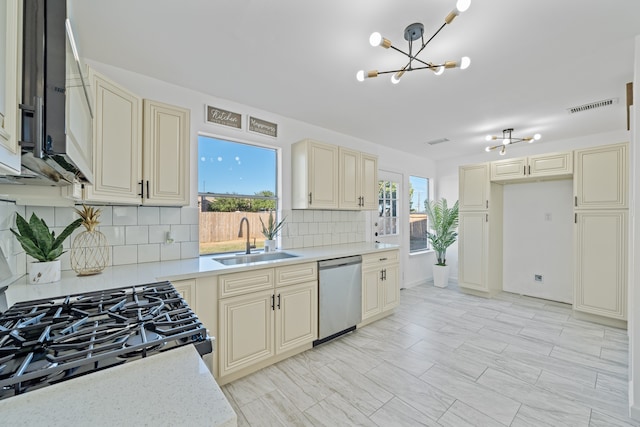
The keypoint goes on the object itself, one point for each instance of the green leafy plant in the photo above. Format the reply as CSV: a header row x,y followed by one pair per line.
x,y
443,221
270,230
36,239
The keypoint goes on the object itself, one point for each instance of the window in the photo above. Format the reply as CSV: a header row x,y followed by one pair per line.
x,y
418,196
387,208
235,180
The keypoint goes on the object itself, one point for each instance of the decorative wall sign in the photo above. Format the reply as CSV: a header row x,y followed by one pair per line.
x,y
223,117
263,127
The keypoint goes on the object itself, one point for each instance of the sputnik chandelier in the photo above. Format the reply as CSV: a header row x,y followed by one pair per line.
x,y
412,33
507,139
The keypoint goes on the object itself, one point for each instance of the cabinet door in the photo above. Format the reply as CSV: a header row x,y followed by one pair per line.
x,y
371,298
474,186
369,186
601,177
600,280
390,287
349,179
473,249
551,165
166,154
323,176
117,144
296,315
508,169
246,331
187,289
11,86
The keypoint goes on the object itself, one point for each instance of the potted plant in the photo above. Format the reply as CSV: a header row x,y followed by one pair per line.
x,y
270,230
443,221
42,244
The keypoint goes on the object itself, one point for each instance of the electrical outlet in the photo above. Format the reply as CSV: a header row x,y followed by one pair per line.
x,y
537,277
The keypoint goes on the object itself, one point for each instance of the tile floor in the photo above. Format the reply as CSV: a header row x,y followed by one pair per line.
x,y
445,358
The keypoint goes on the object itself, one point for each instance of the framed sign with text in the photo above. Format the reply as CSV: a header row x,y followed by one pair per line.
x,y
263,127
219,116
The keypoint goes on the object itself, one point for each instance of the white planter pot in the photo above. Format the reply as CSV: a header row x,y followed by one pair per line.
x,y
44,272
269,245
441,276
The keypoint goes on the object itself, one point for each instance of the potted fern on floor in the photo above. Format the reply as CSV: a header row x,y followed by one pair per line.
x,y
443,222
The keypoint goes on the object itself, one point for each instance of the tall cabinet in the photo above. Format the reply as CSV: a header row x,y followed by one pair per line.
x,y
480,231
10,87
601,231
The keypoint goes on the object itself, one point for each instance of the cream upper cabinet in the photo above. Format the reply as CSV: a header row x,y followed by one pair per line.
x,y
601,177
544,166
358,180
141,149
601,252
474,187
315,175
10,86
165,154
117,143
380,284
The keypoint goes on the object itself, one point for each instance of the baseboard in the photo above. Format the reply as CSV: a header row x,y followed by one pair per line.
x,y
634,412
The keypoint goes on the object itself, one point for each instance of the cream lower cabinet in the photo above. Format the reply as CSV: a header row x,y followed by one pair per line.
x,y
187,289
600,271
257,327
141,149
380,284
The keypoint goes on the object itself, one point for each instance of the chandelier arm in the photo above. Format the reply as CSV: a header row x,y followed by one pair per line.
x,y
412,58
430,38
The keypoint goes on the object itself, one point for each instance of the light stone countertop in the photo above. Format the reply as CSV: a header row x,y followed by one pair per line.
x,y
172,388
136,274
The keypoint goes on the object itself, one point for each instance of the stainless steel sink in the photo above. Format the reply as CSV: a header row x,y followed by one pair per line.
x,y
247,259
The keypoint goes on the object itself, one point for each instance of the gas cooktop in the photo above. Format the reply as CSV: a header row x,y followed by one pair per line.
x,y
46,341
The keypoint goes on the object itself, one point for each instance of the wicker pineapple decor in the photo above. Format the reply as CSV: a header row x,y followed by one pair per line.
x,y
89,251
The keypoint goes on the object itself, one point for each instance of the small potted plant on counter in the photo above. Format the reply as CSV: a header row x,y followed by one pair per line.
x,y
270,230
42,244
443,221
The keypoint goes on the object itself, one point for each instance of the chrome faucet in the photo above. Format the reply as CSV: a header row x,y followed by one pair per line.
x,y
244,219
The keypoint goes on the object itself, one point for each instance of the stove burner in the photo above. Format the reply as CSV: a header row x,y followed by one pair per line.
x,y
46,341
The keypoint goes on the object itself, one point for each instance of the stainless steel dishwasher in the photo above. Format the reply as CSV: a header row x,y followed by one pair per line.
x,y
340,297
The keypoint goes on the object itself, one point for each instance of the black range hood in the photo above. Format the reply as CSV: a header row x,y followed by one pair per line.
x,y
51,153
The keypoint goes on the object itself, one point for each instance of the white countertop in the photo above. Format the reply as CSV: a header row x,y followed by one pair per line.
x,y
168,389
136,274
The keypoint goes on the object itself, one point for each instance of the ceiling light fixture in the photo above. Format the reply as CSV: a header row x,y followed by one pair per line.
x,y
412,33
508,139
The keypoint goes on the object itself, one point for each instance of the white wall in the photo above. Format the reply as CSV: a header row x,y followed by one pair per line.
x,y
447,170
416,269
537,239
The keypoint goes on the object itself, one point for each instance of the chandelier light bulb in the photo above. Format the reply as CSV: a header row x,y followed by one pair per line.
x,y
537,136
439,70
489,138
503,151
395,80
506,141
465,62
462,5
360,75
487,149
375,39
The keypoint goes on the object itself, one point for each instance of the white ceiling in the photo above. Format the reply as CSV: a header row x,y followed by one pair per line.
x,y
531,60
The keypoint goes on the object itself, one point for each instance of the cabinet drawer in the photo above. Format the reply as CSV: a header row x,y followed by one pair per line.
x,y
379,257
296,274
246,281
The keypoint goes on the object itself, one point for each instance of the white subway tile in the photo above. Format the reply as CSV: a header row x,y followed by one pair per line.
x,y
170,252
308,216
114,234
64,216
298,216
149,253
318,240
148,215
136,235
189,250
181,233
158,233
194,233
327,239
106,215
303,229
125,215
318,216
189,215
313,228
326,216
169,215
308,242
43,212
125,255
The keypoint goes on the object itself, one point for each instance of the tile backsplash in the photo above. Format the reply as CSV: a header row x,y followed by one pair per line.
x,y
134,234
309,228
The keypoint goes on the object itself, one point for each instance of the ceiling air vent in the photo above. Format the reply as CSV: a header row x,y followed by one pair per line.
x,y
592,105
438,141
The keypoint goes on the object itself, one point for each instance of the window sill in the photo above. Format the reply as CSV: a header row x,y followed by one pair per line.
x,y
426,251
